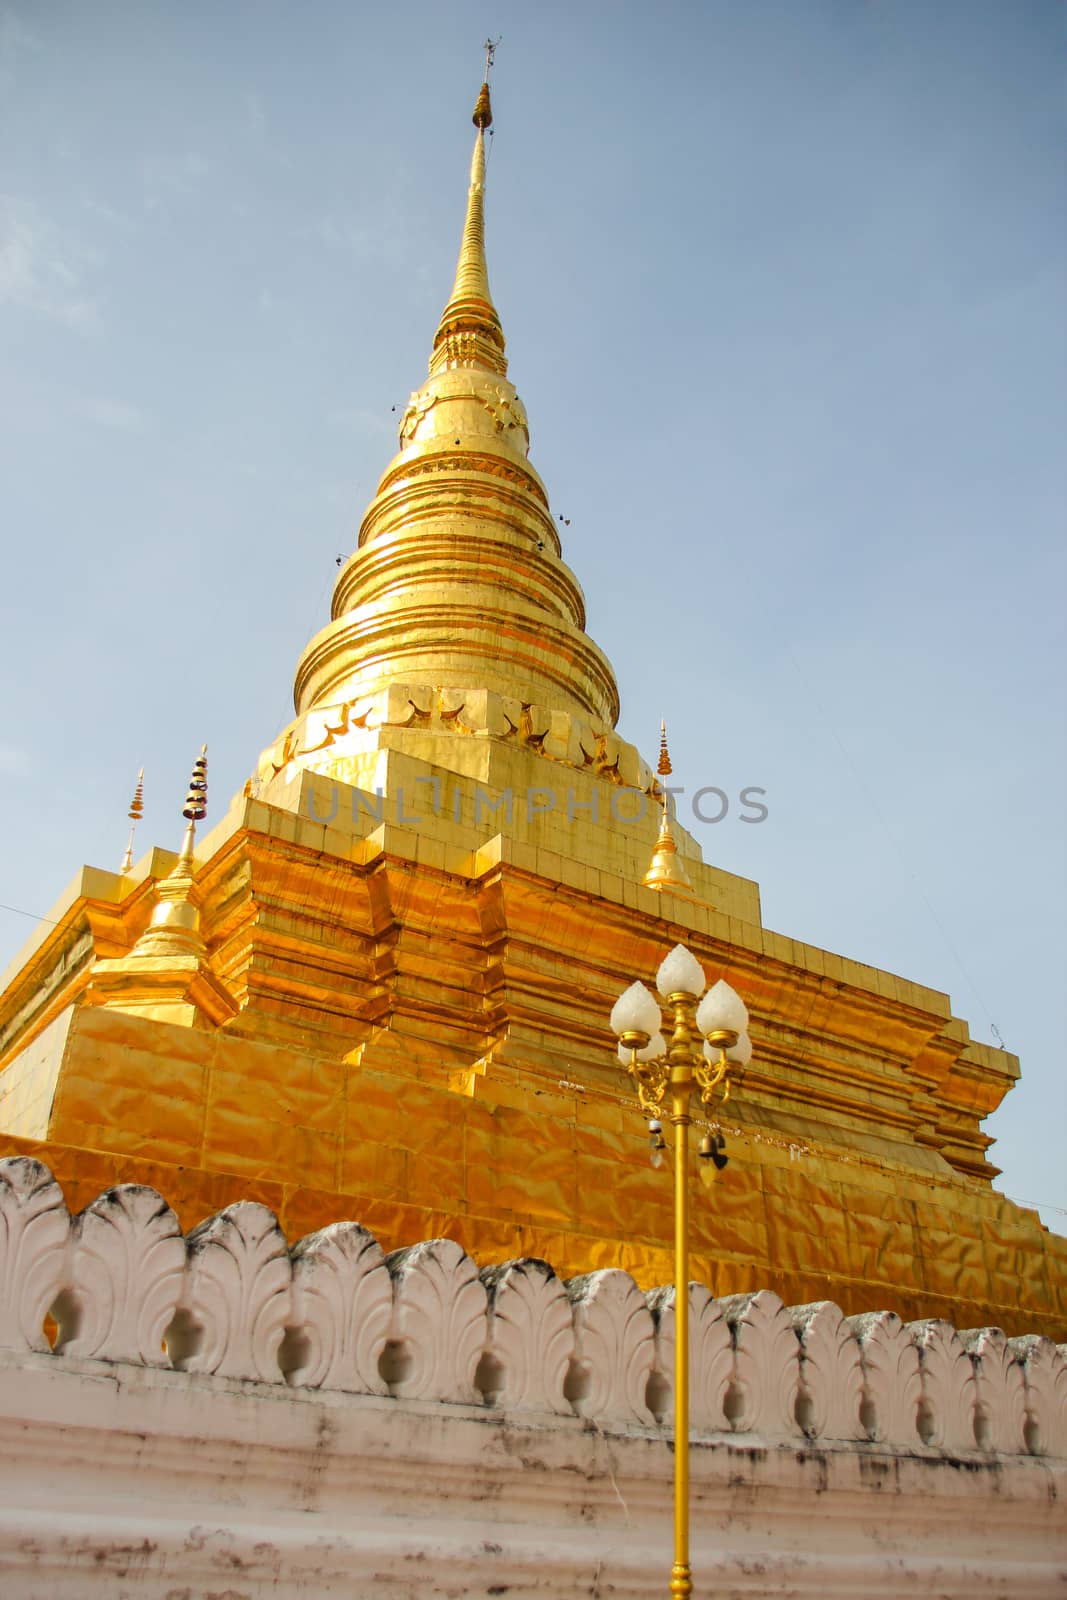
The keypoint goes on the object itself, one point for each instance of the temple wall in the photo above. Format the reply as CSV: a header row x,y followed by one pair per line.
x,y
419,1038
224,1414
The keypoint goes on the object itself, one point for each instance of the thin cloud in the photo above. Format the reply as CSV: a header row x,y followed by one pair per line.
x,y
41,270
389,237
110,214
114,414
169,181
254,115
254,126
14,762
16,40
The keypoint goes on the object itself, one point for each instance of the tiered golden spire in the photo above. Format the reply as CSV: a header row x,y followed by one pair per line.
x,y
665,870
135,813
457,583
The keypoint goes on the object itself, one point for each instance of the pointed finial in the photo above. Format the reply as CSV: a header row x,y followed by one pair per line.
x,y
483,111
469,332
664,768
194,810
135,813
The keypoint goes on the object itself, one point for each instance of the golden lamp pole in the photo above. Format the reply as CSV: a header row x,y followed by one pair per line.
x,y
658,1069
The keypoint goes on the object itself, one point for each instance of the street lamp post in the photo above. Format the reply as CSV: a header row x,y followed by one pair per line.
x,y
665,1075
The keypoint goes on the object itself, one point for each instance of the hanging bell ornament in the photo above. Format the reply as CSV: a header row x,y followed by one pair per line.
x,y
656,1144
713,1157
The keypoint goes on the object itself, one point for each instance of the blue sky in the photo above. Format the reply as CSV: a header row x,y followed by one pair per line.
x,y
783,292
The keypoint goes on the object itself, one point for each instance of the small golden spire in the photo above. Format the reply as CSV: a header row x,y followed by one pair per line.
x,y
469,333
135,813
167,975
665,870
175,922
195,808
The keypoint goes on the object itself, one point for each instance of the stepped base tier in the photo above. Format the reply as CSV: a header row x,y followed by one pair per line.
x,y
400,1014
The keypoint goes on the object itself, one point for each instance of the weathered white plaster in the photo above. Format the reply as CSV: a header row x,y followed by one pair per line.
x,y
118,1480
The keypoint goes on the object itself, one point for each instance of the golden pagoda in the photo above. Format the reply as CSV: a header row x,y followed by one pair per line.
x,y
378,987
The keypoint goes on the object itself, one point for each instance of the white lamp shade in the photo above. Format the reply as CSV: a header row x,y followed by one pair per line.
x,y
635,1011
680,973
741,1052
655,1048
722,1010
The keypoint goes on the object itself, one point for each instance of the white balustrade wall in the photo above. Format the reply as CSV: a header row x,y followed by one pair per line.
x,y
231,1300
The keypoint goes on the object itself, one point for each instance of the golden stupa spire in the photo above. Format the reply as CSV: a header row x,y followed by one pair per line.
x,y
167,974
665,870
457,586
469,332
175,924
135,813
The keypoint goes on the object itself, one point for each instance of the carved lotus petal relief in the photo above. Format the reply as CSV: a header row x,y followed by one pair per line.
x,y
127,1263
237,1300
34,1227
439,1322
530,1335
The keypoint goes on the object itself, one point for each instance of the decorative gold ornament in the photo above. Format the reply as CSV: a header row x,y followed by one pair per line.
x,y
666,870
135,813
483,111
